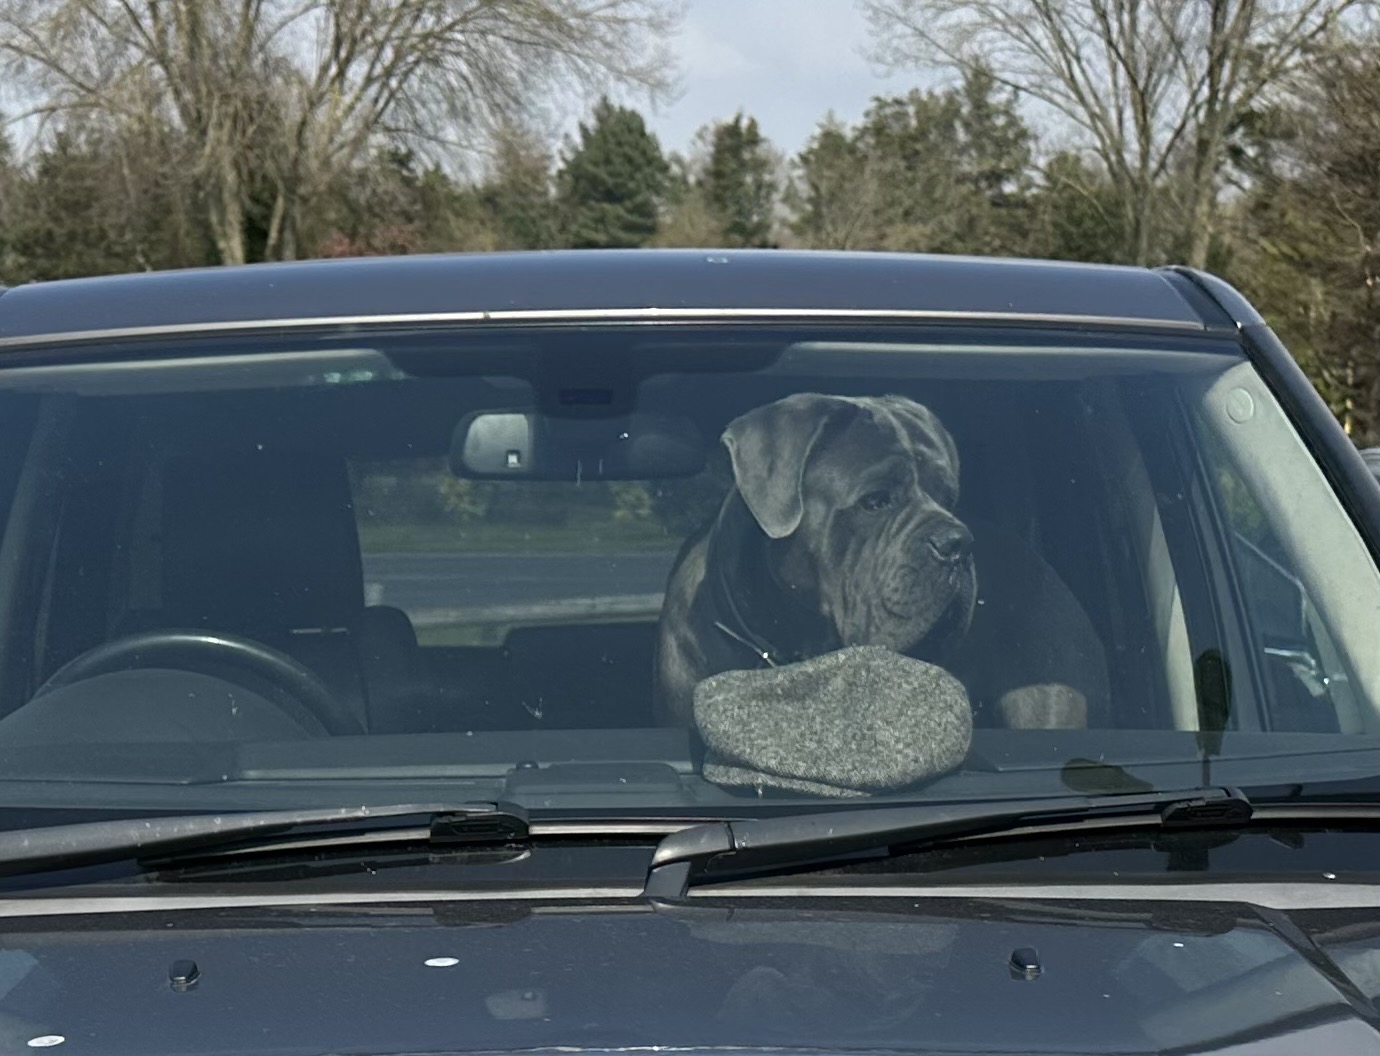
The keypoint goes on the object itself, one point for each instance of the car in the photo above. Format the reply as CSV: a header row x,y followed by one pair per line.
x,y
611,651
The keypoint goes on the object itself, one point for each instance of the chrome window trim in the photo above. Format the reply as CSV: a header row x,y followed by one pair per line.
x,y
610,315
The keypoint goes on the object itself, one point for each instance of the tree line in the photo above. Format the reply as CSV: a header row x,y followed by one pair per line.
x,y
1238,135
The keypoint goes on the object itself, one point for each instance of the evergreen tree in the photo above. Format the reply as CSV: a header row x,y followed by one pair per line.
x,y
940,172
613,182
914,153
1075,213
997,162
688,219
740,183
1308,250
517,194
375,208
93,202
832,199
10,266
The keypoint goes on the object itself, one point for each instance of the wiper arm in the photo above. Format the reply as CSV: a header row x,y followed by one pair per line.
x,y
712,851
735,850
92,843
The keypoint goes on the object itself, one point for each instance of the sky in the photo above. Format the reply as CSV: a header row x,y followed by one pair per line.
x,y
785,62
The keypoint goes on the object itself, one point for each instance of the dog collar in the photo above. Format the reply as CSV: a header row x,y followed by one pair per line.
x,y
732,624
763,654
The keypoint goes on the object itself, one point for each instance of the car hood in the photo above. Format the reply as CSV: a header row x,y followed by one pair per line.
x,y
821,974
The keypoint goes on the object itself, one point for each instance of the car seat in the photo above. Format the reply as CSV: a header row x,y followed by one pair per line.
x,y
264,544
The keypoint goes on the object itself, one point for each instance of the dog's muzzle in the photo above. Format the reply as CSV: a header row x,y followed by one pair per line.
x,y
950,543
942,558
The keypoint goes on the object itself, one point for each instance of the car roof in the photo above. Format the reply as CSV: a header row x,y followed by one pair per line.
x,y
574,284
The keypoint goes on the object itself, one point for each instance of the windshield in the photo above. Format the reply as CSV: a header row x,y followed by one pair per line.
x,y
683,569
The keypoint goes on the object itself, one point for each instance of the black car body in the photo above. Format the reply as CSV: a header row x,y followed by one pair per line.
x,y
1371,455
514,856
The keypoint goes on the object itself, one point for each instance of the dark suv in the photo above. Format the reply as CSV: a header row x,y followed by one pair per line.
x,y
680,650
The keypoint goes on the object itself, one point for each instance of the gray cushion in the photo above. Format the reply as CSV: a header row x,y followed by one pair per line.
x,y
854,722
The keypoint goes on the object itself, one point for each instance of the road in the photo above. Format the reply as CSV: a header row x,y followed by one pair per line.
x,y
444,581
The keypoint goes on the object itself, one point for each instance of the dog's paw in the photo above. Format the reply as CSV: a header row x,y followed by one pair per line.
x,y
1053,706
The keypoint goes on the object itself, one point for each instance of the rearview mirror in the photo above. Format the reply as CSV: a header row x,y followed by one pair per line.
x,y
524,445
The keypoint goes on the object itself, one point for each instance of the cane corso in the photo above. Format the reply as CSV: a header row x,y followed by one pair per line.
x,y
840,530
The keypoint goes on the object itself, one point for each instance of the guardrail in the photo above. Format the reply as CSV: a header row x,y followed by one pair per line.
x,y
613,606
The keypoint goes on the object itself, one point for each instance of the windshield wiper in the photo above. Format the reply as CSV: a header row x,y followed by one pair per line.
x,y
445,826
738,850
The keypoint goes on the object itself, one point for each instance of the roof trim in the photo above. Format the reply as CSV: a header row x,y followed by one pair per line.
x,y
1228,299
612,315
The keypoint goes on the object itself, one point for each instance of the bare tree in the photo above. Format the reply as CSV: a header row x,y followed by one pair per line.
x,y
1148,82
1310,245
837,191
289,91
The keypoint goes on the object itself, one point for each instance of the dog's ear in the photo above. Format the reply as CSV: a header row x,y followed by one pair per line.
x,y
926,431
769,447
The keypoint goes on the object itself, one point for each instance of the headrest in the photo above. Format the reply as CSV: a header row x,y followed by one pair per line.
x,y
260,541
855,722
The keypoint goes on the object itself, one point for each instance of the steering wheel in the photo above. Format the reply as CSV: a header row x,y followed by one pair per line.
x,y
189,649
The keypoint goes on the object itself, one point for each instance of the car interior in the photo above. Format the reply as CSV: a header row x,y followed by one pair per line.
x,y
233,512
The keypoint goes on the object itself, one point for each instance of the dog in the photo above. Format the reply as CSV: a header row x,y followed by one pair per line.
x,y
840,529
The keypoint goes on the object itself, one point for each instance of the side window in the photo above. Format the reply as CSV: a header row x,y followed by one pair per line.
x,y
17,417
469,560
1301,665
26,584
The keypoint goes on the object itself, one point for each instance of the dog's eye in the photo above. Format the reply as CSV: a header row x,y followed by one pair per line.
x,y
875,500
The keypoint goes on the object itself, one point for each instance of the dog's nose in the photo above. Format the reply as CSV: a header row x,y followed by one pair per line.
x,y
951,543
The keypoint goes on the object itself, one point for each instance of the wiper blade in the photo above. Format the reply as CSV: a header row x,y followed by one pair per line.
x,y
736,850
92,843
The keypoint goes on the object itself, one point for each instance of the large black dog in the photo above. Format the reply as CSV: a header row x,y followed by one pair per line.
x,y
840,530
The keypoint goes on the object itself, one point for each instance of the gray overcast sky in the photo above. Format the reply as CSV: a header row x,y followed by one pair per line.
x,y
785,62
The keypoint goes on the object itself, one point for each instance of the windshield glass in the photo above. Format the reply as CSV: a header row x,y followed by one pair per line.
x,y
660,569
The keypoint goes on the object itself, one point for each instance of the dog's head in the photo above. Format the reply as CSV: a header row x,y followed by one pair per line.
x,y
859,493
